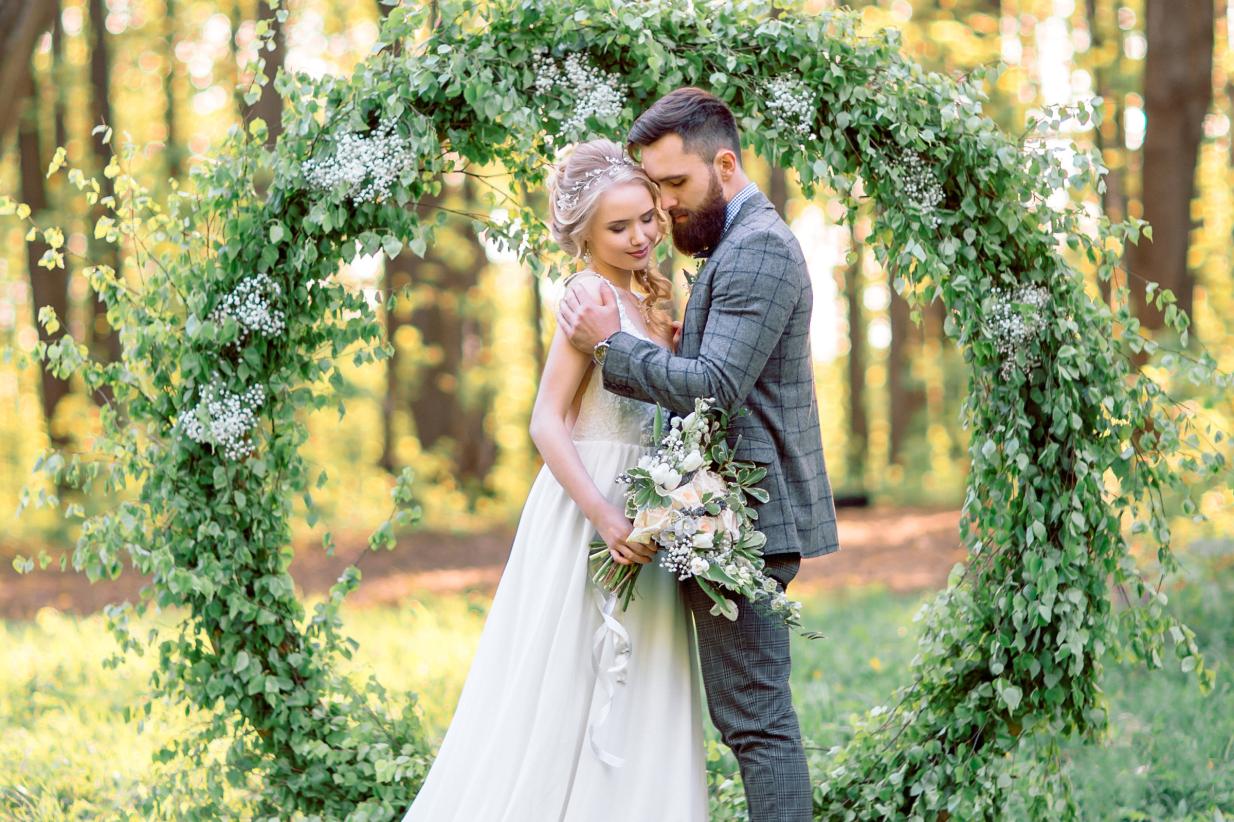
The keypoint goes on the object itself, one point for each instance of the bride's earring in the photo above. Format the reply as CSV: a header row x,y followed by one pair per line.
x,y
586,254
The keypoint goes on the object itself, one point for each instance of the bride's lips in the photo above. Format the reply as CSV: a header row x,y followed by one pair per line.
x,y
638,255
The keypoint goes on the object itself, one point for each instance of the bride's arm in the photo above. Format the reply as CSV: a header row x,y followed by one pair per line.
x,y
564,370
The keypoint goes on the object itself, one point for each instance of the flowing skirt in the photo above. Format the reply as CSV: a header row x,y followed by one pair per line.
x,y
544,731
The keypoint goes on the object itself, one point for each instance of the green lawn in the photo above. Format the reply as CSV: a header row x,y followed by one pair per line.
x,y
66,751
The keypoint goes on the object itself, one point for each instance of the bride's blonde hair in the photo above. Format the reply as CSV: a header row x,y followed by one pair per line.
x,y
581,175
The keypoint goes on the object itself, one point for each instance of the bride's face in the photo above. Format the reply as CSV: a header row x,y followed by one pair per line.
x,y
624,230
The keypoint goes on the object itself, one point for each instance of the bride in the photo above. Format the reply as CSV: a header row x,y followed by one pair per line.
x,y
574,710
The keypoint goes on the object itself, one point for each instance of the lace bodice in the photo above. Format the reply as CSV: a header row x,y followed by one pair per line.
x,y
603,415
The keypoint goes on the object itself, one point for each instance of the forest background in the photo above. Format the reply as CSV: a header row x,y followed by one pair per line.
x,y
470,335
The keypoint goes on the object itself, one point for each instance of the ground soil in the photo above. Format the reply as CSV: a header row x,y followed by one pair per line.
x,y
900,549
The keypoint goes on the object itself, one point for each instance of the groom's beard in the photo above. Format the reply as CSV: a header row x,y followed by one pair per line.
x,y
703,226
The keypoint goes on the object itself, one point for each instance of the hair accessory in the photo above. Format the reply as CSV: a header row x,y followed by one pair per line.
x,y
568,198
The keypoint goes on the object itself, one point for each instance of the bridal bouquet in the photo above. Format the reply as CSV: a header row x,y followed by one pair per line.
x,y
689,497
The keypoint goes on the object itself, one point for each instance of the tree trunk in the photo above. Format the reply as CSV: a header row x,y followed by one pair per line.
x,y
777,191
237,15
269,107
104,342
858,422
48,286
1109,139
460,342
173,151
904,399
59,77
1177,93
398,274
21,24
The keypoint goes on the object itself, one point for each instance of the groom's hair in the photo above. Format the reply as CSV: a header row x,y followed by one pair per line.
x,y
701,119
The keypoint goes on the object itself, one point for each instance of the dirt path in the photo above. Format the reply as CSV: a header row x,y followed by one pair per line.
x,y
901,549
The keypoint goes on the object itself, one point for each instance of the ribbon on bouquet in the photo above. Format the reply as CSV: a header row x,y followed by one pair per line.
x,y
611,632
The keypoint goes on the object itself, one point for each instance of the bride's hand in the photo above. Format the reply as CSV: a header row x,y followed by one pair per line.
x,y
614,527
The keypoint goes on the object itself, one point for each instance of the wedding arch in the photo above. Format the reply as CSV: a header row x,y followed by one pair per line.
x,y
232,322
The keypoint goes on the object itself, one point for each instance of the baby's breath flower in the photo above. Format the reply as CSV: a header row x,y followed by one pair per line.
x,y
1015,329
228,418
595,92
790,102
251,304
364,164
919,184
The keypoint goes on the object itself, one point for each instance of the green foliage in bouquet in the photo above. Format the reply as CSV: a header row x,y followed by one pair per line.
x,y
690,497
232,326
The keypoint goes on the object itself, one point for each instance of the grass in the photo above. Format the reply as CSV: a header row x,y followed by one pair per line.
x,y
67,753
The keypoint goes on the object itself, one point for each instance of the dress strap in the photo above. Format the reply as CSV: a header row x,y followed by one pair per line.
x,y
569,278
621,305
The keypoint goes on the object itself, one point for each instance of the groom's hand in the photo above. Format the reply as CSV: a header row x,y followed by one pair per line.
x,y
585,321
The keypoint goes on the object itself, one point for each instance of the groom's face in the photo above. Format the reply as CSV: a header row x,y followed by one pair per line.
x,y
690,192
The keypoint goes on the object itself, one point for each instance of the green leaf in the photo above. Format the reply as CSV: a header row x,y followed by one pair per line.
x,y
1011,696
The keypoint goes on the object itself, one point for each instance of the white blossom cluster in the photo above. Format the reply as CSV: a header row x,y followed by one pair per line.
x,y
687,551
792,105
596,92
229,418
251,305
1013,328
365,163
919,184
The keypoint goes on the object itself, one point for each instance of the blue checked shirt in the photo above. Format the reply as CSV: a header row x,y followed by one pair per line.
x,y
734,205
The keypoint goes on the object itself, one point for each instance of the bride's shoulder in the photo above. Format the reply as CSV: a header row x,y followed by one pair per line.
x,y
589,282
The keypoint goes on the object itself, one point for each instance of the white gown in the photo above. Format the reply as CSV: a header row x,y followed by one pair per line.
x,y
544,732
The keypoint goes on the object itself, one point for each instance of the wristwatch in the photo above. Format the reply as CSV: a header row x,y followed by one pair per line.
x,y
600,351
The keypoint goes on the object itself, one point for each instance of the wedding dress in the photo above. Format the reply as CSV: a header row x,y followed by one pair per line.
x,y
574,710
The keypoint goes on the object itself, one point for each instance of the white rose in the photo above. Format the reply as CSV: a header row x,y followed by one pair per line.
x,y
692,461
649,522
665,477
698,565
709,482
728,519
704,540
686,496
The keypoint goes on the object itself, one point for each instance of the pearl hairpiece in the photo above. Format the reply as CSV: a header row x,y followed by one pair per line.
x,y
568,198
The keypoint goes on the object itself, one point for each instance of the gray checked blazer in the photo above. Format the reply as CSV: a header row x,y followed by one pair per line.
x,y
745,341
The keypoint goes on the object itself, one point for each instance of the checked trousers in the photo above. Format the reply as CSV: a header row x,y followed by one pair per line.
x,y
745,665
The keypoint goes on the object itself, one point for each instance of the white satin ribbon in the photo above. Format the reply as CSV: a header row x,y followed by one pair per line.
x,y
610,677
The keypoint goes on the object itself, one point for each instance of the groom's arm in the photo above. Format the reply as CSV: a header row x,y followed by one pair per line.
x,y
752,299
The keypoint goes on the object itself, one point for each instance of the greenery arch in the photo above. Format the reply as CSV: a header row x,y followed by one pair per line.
x,y
231,326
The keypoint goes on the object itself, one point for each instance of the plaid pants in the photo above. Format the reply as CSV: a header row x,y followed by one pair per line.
x,y
745,667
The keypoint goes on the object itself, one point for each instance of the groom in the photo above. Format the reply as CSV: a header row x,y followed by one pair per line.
x,y
744,341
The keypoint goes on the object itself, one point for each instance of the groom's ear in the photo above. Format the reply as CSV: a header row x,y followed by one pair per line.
x,y
726,163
